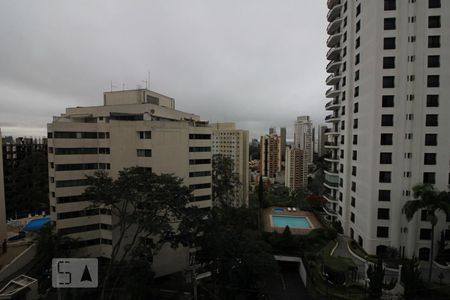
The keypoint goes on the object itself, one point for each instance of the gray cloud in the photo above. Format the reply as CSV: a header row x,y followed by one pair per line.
x,y
259,63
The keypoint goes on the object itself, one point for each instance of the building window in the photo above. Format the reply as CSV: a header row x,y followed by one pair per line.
x,y
429,158
384,195
357,59
342,125
354,155
358,43
342,139
382,232
383,214
197,136
343,111
387,101
144,135
434,41
384,177
355,139
389,4
356,75
356,93
434,61
341,182
434,22
358,26
389,43
387,120
388,82
353,202
389,62
356,107
389,24
353,171
429,177
353,186
434,3
199,149
431,120
355,124
386,139
433,81
425,234
352,217
430,139
385,158
200,174
432,100
144,152
358,9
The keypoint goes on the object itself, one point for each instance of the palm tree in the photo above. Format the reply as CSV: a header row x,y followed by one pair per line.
x,y
432,201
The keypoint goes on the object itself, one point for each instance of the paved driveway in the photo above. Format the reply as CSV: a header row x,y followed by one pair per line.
x,y
287,285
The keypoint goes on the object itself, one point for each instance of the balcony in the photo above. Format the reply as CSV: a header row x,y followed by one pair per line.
x,y
331,159
333,79
331,173
330,198
333,3
334,53
332,105
328,209
333,66
332,93
335,25
334,12
331,145
331,132
334,39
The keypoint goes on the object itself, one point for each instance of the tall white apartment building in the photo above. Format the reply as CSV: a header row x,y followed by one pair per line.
x,y
303,137
389,73
2,196
233,143
131,128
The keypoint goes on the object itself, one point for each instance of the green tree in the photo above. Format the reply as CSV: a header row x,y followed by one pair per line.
x,y
225,182
144,206
431,200
411,278
376,276
29,186
233,250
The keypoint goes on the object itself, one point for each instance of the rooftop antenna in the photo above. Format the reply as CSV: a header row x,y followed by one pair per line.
x,y
112,85
146,84
148,79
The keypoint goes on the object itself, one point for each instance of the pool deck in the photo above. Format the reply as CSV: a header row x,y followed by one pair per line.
x,y
268,212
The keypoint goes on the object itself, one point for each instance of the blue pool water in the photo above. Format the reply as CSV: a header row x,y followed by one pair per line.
x,y
36,225
292,222
278,210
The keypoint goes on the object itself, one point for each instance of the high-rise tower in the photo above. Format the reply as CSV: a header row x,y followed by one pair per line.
x,y
389,72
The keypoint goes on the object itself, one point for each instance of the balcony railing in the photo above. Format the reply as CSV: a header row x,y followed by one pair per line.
x,y
334,13
334,39
333,3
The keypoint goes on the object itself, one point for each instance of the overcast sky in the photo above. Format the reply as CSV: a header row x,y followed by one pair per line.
x,y
258,63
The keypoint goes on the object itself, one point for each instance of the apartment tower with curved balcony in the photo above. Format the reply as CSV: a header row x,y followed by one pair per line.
x,y
388,127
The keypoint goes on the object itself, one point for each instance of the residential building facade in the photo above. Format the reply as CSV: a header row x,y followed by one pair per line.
x,y
389,68
321,139
234,143
296,171
303,137
270,155
131,128
2,197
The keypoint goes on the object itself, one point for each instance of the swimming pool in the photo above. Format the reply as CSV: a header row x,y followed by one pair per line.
x,y
291,221
278,210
